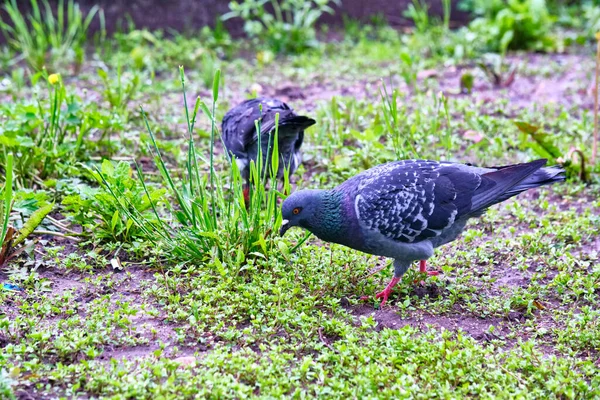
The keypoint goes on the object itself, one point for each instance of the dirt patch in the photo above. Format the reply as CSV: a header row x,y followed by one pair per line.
x,y
478,328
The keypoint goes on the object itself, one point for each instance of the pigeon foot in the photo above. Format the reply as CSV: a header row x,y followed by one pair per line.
x,y
423,268
385,293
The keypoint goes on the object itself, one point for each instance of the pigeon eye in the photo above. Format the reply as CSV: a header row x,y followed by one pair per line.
x,y
296,210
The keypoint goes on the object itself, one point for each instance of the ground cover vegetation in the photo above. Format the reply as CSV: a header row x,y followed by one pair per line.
x,y
132,267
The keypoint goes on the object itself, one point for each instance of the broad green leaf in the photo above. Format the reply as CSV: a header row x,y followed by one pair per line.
x,y
33,222
115,219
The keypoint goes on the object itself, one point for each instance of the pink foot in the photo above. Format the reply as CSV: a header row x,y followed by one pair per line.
x,y
423,268
385,293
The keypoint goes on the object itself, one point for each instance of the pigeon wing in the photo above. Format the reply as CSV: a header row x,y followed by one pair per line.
x,y
238,128
409,201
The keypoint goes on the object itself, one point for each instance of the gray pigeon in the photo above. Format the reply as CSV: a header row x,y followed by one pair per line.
x,y
241,139
405,209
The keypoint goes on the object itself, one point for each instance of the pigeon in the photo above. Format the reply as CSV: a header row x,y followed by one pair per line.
x,y
405,209
241,139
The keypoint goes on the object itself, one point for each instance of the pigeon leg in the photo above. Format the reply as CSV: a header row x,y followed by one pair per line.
x,y
400,268
385,293
247,195
283,189
423,268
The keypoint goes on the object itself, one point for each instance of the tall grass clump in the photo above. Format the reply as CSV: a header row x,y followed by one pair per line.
x,y
42,34
290,28
48,135
209,220
402,139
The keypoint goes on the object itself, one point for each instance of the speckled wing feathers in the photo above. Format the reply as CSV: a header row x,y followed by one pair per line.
x,y
412,200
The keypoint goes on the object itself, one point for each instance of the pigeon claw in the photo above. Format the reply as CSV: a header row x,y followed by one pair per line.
x,y
423,268
384,294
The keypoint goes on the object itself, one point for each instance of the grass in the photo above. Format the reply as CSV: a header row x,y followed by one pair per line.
x,y
42,32
151,279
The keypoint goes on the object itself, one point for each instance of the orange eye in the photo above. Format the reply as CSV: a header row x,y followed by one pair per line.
x,y
296,210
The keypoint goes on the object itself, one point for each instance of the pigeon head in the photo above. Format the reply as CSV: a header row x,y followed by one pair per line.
x,y
300,209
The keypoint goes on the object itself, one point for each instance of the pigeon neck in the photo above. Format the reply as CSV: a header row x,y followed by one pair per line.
x,y
328,220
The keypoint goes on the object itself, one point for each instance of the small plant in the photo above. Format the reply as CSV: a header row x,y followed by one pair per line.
x,y
44,131
120,91
213,223
291,26
409,68
418,11
98,211
402,143
42,34
7,381
544,145
518,25
499,72
596,77
11,238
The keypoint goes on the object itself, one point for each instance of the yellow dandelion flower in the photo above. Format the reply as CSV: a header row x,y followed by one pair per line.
x,y
54,79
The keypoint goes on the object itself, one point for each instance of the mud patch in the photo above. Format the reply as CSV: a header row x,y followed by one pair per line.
x,y
479,329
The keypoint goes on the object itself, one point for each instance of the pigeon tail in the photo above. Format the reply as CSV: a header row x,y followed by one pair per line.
x,y
511,180
542,177
288,126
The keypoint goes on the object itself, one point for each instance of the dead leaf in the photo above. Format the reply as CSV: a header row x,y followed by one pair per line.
x,y
526,127
186,361
539,305
427,73
473,136
116,264
256,88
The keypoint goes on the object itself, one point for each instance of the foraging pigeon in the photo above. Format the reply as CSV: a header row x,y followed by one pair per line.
x,y
240,138
405,209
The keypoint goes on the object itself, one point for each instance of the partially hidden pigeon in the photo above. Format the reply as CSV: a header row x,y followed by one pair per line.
x,y
242,140
405,209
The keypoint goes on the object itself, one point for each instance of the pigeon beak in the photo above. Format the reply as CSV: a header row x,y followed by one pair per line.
x,y
285,225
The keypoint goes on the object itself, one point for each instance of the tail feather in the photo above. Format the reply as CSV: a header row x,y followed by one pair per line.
x,y
509,181
542,177
289,126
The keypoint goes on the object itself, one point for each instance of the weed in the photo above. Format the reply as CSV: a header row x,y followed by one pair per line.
x,y
119,91
44,131
545,146
289,29
42,33
214,224
522,24
11,238
98,211
156,52
498,70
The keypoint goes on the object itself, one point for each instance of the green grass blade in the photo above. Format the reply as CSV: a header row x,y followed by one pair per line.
x,y
165,172
8,193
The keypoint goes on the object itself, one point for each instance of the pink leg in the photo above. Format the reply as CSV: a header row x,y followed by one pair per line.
x,y
247,196
423,268
387,291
